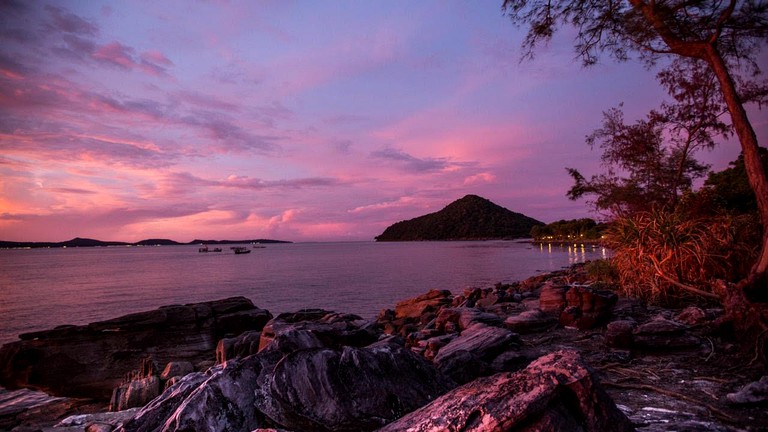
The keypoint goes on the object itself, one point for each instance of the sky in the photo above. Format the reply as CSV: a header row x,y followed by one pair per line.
x,y
290,120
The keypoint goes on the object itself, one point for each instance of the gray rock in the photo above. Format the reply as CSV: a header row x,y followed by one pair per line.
x,y
754,393
302,379
349,390
464,318
90,361
470,355
531,321
661,334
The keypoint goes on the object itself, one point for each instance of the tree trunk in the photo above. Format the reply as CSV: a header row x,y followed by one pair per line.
x,y
752,162
749,318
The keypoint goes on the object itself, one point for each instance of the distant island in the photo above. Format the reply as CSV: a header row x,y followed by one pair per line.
x,y
86,242
469,218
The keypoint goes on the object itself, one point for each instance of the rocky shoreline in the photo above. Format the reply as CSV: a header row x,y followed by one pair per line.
x,y
547,353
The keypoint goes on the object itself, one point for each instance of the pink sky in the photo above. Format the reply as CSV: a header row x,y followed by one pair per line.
x,y
301,121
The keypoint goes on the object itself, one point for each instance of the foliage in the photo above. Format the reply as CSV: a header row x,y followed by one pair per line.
x,y
469,218
709,38
602,271
665,256
650,163
568,230
729,190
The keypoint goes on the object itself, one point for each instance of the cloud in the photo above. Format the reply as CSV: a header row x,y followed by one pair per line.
x,y
125,57
67,22
484,177
65,190
411,163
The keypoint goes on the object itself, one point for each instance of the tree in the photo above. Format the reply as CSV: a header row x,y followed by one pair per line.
x,y
723,36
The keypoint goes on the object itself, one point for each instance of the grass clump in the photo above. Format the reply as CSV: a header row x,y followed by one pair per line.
x,y
668,257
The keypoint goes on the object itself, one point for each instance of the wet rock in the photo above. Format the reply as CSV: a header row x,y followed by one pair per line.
x,y
429,302
314,328
464,318
309,389
619,334
348,390
470,355
531,321
91,360
556,392
754,393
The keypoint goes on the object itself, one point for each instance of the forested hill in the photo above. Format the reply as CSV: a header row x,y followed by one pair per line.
x,y
469,218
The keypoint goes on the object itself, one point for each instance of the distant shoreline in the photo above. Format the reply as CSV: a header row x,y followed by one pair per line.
x,y
84,242
568,242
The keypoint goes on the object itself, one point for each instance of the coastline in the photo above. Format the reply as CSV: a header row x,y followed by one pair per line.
x,y
505,327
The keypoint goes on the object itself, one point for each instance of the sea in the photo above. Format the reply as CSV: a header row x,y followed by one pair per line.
x,y
44,288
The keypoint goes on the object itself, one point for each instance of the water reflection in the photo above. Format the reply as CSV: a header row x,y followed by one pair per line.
x,y
577,252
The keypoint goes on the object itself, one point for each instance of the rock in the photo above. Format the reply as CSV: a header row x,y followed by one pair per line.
x,y
99,427
469,355
552,298
754,393
135,393
317,328
464,318
309,389
349,390
243,345
103,421
531,321
594,307
176,369
618,334
663,334
556,392
89,361
691,315
139,388
429,302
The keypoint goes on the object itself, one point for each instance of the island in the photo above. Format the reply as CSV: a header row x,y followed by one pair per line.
x,y
469,218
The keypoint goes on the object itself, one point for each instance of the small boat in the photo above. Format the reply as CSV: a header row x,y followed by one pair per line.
x,y
241,250
217,249
259,247
203,249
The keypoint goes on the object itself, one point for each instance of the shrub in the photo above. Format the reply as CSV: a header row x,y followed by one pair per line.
x,y
602,270
668,256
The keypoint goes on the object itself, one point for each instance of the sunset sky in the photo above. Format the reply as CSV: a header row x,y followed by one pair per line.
x,y
293,120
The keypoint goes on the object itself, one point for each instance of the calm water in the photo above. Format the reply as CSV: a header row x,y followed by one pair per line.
x,y
43,288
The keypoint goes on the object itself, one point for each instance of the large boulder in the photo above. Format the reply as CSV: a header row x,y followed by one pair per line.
x,y
91,360
313,328
311,389
471,354
556,392
430,302
353,389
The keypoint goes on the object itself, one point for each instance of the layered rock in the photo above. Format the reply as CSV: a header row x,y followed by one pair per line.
x,y
556,392
303,378
91,360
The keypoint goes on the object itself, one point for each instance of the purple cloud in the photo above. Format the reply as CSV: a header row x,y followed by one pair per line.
x,y
411,163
